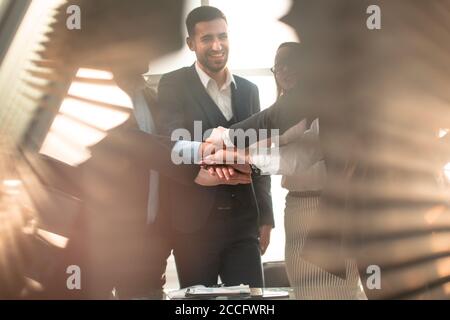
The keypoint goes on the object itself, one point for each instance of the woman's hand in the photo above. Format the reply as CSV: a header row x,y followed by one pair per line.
x,y
204,178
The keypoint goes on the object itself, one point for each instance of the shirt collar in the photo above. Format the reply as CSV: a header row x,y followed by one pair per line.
x,y
205,78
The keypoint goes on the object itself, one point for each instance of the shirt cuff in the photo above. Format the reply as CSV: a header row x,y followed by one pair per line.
x,y
266,160
186,152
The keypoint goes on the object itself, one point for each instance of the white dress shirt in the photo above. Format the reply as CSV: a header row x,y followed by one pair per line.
x,y
221,96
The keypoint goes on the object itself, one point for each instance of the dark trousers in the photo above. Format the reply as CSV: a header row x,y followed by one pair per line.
x,y
226,246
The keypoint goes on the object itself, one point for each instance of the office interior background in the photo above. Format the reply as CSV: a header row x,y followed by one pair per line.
x,y
24,23
252,51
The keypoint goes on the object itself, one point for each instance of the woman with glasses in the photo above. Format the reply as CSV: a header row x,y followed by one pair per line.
x,y
304,175
298,157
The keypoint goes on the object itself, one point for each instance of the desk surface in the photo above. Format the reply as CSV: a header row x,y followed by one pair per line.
x,y
268,294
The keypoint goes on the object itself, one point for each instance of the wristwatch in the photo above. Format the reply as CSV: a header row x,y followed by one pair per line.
x,y
255,170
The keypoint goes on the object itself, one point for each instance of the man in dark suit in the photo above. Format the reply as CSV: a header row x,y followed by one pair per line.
x,y
223,230
109,237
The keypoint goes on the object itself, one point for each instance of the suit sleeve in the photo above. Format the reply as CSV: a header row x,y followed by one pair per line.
x,y
170,114
148,151
145,151
282,115
262,184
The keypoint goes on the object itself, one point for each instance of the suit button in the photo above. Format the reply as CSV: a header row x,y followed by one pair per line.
x,y
233,195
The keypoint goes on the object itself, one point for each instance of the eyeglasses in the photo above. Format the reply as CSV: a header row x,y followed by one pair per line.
x,y
283,68
278,68
284,65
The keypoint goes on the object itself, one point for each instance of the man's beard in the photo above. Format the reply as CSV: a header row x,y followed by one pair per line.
x,y
213,67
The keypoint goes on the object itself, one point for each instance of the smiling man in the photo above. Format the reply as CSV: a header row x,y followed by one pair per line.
x,y
220,231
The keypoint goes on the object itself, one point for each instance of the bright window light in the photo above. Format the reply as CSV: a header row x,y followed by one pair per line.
x,y
443,132
255,31
447,171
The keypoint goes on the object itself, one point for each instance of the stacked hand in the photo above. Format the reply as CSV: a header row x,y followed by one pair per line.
x,y
227,165
216,137
219,171
227,156
204,178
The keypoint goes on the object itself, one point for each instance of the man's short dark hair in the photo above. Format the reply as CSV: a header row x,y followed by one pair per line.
x,y
202,14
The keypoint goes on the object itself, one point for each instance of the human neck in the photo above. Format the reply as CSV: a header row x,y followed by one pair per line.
x,y
220,77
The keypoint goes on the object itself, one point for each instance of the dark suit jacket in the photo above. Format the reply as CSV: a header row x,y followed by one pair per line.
x,y
183,100
116,177
101,206
120,162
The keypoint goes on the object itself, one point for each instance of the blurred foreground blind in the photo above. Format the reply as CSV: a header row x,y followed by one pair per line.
x,y
19,99
383,96
21,93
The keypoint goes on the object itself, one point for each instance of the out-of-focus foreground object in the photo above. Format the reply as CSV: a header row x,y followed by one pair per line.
x,y
59,99
384,103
